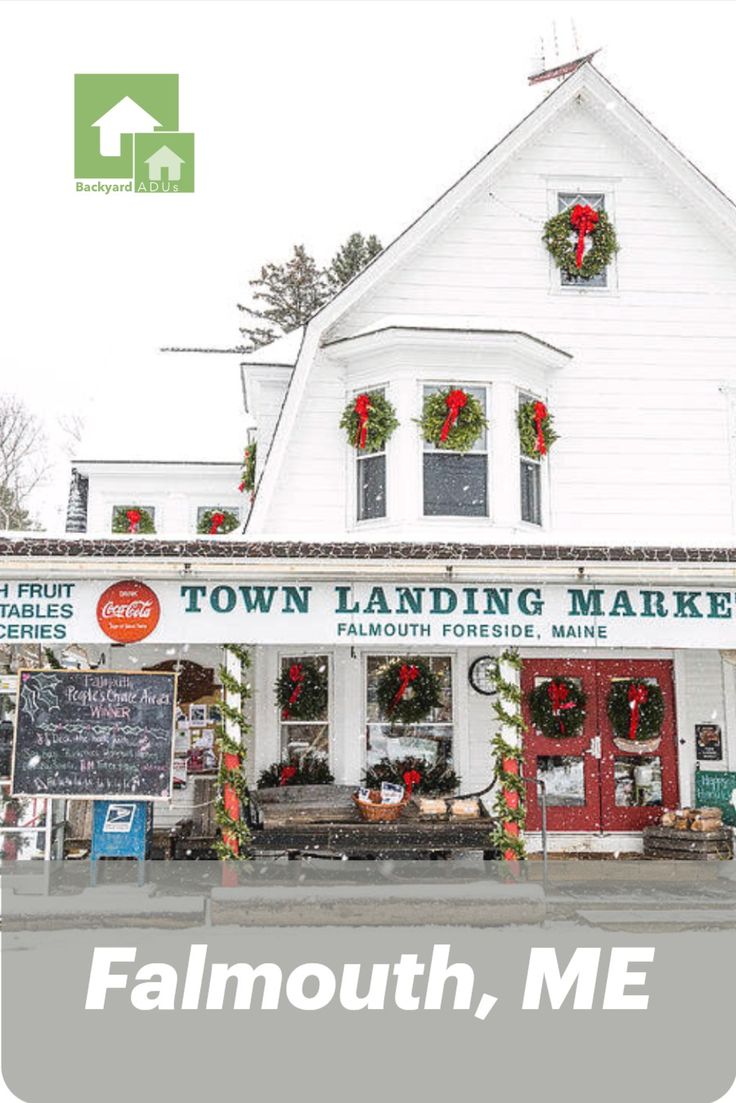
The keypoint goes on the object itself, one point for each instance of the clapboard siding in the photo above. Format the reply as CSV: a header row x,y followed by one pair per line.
x,y
645,448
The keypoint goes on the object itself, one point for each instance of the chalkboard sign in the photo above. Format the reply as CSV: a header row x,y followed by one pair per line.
x,y
713,788
93,733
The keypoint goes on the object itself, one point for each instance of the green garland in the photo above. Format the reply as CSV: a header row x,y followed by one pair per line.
x,y
507,709
527,422
420,695
248,474
470,423
435,778
382,421
560,237
301,690
307,769
230,523
565,721
235,828
120,522
651,711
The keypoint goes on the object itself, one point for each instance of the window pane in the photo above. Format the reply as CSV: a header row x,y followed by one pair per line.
x,y
565,779
371,487
430,740
297,739
531,498
638,781
455,485
597,202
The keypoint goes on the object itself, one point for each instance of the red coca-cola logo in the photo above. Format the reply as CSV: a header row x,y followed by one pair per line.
x,y
127,612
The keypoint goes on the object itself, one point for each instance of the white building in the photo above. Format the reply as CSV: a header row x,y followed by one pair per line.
x,y
611,557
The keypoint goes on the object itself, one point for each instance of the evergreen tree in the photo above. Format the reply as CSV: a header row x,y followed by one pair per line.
x,y
351,258
12,514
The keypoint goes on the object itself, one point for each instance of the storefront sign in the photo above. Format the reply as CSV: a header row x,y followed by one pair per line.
x,y
272,611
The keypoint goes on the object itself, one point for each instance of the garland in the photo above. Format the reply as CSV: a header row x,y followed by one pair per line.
x,y
217,522
309,769
369,421
557,708
301,690
635,709
132,519
232,788
415,773
509,803
565,234
535,429
248,474
408,690
452,419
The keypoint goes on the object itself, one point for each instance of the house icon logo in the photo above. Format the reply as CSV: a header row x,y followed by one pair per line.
x,y
127,137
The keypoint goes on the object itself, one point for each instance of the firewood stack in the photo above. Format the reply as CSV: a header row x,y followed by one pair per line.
x,y
693,819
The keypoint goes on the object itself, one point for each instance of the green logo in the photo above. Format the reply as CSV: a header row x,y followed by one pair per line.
x,y
126,131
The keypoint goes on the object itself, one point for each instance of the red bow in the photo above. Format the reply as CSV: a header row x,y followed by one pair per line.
x,y
134,519
412,778
217,519
558,694
407,675
584,220
638,695
296,677
540,413
362,409
454,402
287,773
241,488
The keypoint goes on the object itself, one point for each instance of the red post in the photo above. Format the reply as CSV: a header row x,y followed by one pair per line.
x,y
232,807
511,798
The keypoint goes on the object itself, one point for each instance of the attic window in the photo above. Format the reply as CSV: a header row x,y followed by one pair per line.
x,y
596,200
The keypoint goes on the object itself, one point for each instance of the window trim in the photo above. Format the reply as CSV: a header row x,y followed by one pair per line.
x,y
557,186
523,396
308,653
459,518
354,521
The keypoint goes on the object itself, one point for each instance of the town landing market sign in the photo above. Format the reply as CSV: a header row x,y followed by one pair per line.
x,y
416,615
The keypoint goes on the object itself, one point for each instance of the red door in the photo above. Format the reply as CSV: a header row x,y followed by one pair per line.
x,y
592,783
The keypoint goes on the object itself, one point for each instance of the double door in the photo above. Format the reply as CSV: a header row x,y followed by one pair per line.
x,y
593,784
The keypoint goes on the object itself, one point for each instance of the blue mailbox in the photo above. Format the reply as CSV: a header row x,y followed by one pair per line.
x,y
121,829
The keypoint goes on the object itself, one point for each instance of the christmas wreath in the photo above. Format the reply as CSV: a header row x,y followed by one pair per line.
x,y
453,419
565,234
217,522
248,474
557,708
132,519
535,429
301,691
408,690
414,773
308,769
636,709
369,421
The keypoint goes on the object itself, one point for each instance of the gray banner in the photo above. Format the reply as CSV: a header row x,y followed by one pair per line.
x,y
367,980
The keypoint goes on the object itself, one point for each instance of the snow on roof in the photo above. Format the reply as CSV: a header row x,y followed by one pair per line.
x,y
284,350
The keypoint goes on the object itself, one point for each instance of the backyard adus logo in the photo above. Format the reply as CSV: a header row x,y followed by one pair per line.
x,y
127,137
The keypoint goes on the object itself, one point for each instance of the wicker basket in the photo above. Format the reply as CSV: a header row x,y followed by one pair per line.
x,y
380,813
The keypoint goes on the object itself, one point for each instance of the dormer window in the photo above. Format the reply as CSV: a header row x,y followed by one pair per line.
x,y
456,483
565,202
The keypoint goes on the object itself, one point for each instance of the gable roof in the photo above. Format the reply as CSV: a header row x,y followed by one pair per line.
x,y
593,89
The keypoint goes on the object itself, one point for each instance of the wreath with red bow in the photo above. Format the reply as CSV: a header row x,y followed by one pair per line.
x,y
407,690
301,691
217,522
452,419
535,429
369,421
248,473
581,240
557,707
307,769
415,774
132,520
636,709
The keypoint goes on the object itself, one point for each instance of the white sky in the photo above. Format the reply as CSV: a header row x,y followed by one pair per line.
x,y
312,119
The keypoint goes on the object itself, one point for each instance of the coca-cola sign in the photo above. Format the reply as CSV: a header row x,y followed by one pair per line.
x,y
127,612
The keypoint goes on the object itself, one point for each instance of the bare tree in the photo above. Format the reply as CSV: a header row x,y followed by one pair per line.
x,y
72,426
23,460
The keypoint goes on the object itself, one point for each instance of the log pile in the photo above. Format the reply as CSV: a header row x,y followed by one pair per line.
x,y
693,819
695,833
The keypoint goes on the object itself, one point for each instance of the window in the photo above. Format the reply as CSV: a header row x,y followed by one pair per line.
x,y
300,736
531,481
370,470
597,201
121,522
456,483
431,740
